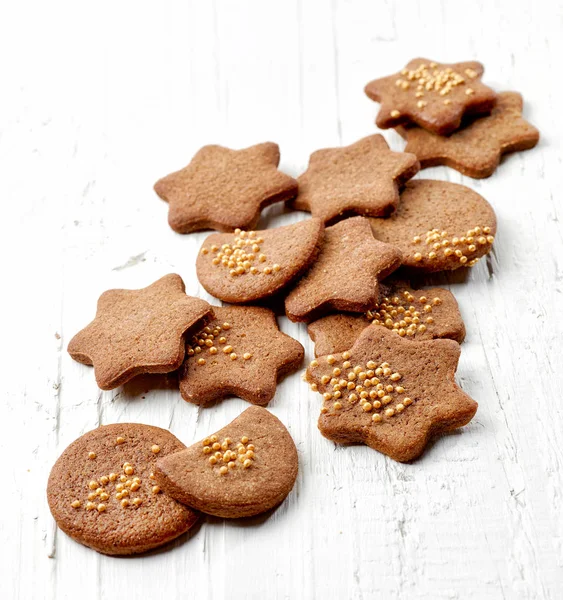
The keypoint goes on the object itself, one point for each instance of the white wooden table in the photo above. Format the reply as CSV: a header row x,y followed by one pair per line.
x,y
97,101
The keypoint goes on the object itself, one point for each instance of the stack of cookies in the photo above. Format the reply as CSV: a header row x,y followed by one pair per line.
x,y
449,117
386,351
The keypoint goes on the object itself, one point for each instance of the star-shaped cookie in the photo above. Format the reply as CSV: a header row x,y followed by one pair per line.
x,y
138,331
389,393
241,352
348,249
224,189
476,149
412,314
362,179
432,95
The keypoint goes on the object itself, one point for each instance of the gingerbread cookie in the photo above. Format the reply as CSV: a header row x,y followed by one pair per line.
x,y
224,189
432,95
361,179
439,226
138,331
476,149
389,393
240,353
322,288
245,469
248,266
102,490
411,314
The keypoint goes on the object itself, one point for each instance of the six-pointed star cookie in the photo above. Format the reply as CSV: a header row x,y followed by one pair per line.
x,y
244,469
476,149
224,189
138,331
434,96
348,247
252,265
412,314
389,393
240,353
439,226
363,179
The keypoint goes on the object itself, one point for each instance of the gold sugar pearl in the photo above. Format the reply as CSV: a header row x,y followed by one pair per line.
x,y
325,379
337,405
91,455
407,401
156,489
104,480
314,363
201,361
112,476
213,460
395,113
93,485
224,470
104,496
376,418
76,504
129,470
232,356
330,359
216,445
389,412
213,439
101,507
137,501
90,506
124,503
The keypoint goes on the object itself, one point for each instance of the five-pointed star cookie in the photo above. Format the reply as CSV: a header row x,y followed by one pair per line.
x,y
432,95
348,248
362,179
240,353
138,331
224,189
389,393
413,314
476,149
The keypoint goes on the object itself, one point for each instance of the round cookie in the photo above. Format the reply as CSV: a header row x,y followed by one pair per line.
x,y
103,494
245,469
248,266
439,226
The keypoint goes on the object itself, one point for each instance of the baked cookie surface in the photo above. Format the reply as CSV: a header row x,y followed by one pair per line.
x,y
103,494
361,179
224,189
241,352
412,314
476,149
251,265
245,469
138,331
434,96
439,226
390,393
349,244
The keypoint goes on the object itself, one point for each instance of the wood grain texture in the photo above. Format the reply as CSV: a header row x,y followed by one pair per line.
x,y
96,104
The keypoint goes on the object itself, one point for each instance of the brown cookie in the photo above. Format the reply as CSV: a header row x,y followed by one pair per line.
x,y
439,226
389,393
224,189
411,314
475,150
240,353
349,244
248,266
432,95
138,331
102,491
362,179
244,469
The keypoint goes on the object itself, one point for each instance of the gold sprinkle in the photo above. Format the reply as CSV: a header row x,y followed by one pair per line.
x,y
120,441
395,113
